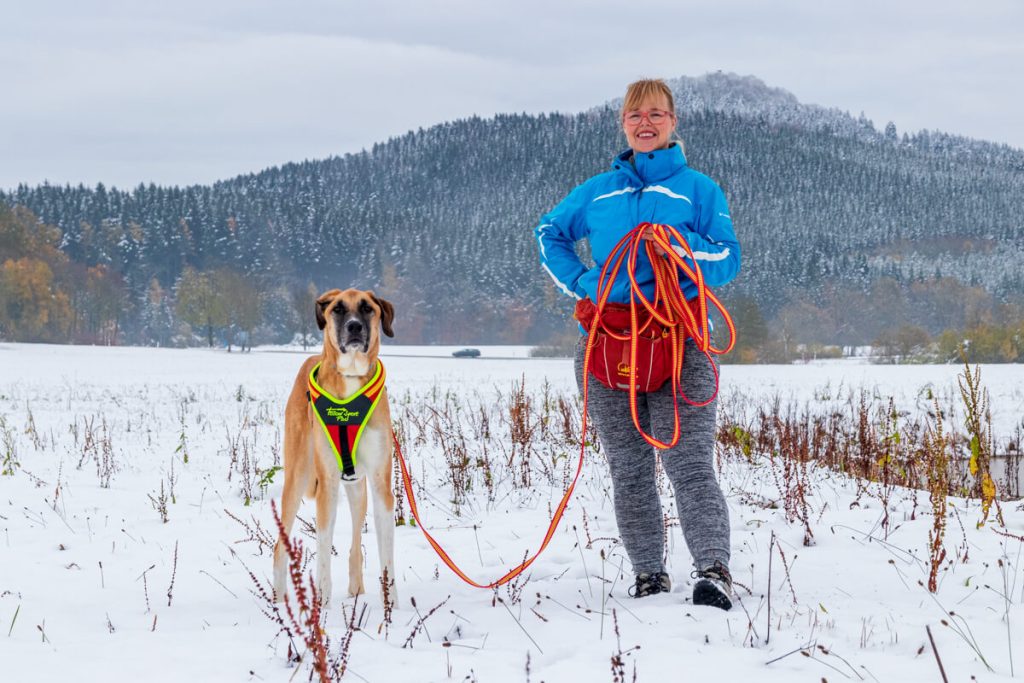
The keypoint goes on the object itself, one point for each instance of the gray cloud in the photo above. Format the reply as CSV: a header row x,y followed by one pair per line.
x,y
193,92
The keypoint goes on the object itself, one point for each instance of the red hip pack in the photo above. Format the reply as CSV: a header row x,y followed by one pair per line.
x,y
610,356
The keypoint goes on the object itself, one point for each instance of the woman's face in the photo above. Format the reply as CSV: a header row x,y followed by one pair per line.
x,y
649,127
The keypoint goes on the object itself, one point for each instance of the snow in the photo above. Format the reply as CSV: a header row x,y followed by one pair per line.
x,y
77,560
440,350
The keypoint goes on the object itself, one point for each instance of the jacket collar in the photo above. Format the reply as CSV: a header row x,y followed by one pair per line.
x,y
651,167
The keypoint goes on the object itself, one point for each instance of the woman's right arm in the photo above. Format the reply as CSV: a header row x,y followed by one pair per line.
x,y
557,233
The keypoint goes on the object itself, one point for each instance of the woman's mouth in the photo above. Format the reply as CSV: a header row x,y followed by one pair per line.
x,y
646,135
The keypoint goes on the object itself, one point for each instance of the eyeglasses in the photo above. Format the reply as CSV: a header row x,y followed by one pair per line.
x,y
655,116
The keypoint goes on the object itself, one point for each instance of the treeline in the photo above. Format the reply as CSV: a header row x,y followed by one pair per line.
x,y
44,295
894,319
47,297
984,342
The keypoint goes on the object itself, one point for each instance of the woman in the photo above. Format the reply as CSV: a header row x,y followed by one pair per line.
x,y
650,182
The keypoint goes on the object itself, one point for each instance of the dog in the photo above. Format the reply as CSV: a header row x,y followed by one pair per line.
x,y
351,321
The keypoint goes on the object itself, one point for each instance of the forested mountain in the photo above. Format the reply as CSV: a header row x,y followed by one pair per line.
x,y
846,230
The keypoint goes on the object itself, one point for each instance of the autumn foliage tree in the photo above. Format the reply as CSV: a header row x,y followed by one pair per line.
x,y
99,299
32,306
221,299
198,302
241,301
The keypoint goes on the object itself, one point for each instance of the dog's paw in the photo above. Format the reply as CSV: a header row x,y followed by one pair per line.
x,y
355,588
324,588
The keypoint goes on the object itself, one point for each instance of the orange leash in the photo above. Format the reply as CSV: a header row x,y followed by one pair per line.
x,y
668,307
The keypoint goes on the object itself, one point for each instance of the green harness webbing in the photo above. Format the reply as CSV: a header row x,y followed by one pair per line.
x,y
343,420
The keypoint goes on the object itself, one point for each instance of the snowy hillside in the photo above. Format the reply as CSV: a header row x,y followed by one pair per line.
x,y
907,225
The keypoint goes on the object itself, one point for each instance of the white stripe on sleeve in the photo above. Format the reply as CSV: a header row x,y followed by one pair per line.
x,y
561,285
703,255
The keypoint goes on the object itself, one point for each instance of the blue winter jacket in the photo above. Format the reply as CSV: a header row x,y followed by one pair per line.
x,y
655,187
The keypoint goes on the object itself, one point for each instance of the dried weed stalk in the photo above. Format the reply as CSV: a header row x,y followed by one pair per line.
x,y
936,451
978,421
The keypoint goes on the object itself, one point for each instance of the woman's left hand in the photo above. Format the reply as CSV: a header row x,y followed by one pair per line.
x,y
648,234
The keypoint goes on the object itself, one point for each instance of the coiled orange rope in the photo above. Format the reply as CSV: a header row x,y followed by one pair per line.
x,y
669,308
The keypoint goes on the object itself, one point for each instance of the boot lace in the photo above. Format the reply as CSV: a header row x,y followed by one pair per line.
x,y
716,572
648,583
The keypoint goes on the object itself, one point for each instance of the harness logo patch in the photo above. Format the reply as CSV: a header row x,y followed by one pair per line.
x,y
623,369
343,414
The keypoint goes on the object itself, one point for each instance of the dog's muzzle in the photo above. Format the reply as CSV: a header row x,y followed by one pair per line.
x,y
354,335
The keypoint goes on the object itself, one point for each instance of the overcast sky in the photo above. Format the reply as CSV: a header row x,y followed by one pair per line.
x,y
191,91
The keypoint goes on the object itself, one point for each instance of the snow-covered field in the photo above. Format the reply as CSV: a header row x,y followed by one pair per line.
x,y
94,585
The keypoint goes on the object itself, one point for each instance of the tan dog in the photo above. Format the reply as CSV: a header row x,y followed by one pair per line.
x,y
350,321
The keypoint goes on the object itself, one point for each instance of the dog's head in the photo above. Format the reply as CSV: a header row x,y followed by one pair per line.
x,y
352,320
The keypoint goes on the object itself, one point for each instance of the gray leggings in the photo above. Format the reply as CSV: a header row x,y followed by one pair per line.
x,y
689,465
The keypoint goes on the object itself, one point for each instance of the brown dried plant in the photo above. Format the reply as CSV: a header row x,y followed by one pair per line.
x,y
936,451
978,422
304,614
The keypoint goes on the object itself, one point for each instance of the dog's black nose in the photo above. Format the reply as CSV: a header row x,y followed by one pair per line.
x,y
354,327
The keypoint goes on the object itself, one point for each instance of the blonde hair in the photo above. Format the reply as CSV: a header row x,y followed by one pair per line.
x,y
647,88
650,88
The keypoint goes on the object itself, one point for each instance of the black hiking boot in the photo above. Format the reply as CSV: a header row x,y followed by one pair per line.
x,y
713,587
648,583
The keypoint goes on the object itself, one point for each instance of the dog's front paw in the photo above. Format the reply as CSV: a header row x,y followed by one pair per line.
x,y
280,589
355,587
324,590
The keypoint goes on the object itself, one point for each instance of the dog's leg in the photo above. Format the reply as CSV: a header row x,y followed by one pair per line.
x,y
326,515
295,483
384,526
356,494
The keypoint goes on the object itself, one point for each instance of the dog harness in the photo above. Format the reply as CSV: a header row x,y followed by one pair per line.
x,y
344,420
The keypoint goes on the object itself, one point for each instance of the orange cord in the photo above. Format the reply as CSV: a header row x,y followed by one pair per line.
x,y
670,309
668,306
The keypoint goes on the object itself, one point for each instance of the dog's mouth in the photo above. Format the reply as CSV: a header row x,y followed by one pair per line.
x,y
352,331
354,344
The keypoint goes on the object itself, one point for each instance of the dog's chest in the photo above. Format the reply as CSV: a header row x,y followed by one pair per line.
x,y
369,452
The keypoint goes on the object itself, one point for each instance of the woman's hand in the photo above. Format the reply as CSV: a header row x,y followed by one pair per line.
x,y
648,234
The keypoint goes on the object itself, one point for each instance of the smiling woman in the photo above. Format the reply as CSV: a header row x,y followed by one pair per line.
x,y
651,183
648,116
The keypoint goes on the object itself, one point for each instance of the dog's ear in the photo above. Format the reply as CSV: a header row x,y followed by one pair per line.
x,y
387,314
322,302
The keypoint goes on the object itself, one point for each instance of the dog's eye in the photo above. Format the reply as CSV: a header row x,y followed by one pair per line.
x,y
365,308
